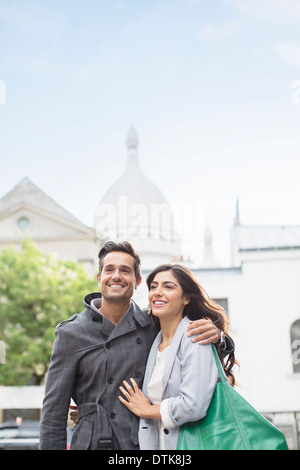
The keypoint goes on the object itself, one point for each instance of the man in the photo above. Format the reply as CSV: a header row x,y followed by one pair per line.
x,y
95,351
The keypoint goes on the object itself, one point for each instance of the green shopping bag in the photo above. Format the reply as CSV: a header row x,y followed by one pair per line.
x,y
231,423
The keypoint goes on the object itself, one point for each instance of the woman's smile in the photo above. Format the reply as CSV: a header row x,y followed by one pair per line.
x,y
159,302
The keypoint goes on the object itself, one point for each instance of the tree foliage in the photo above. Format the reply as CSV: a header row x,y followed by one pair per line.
x,y
37,291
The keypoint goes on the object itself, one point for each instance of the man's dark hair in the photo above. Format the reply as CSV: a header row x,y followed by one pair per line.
x,y
125,247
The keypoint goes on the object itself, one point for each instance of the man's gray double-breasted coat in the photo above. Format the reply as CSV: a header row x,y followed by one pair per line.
x,y
90,359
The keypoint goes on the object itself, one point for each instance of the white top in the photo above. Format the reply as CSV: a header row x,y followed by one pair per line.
x,y
155,389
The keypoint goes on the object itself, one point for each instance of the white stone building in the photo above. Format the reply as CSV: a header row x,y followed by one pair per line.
x,y
27,211
260,290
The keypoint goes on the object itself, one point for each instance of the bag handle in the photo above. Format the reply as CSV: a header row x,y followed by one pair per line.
x,y
229,400
219,366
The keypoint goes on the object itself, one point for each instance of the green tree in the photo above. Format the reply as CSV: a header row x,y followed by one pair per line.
x,y
37,291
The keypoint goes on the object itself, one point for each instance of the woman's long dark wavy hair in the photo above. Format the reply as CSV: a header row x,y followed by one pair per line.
x,y
200,306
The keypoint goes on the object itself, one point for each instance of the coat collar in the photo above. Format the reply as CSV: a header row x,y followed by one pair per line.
x,y
171,355
174,346
128,322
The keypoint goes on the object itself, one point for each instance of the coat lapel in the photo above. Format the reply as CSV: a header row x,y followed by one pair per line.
x,y
174,346
151,362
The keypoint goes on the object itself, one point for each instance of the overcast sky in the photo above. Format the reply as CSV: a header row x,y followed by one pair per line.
x,y
211,86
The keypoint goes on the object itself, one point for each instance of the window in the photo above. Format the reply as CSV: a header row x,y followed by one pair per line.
x,y
295,345
23,223
223,303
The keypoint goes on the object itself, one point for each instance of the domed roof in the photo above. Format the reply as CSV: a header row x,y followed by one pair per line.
x,y
134,208
133,184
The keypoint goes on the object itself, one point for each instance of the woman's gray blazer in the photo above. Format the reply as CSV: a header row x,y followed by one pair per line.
x,y
189,380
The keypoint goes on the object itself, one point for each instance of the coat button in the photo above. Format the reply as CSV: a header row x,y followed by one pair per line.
x,y
110,380
113,415
138,374
138,340
166,431
108,346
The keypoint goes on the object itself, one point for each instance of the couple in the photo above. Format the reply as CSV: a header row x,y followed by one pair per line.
x,y
103,352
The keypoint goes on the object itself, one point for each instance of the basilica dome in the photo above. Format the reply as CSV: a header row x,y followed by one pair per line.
x,y
135,209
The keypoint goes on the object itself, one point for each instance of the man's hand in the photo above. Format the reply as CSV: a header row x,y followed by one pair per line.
x,y
203,331
74,415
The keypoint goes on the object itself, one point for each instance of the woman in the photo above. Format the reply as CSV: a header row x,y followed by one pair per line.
x,y
180,376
